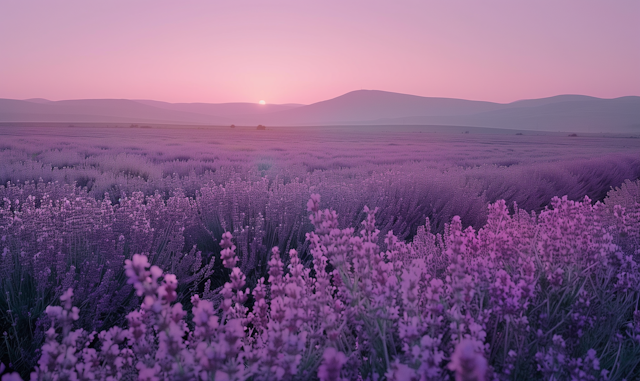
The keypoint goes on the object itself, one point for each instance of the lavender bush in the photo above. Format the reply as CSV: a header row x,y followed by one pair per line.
x,y
550,295
75,241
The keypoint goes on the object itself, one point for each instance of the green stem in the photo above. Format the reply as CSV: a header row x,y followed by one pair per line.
x,y
6,341
495,335
384,343
615,363
506,338
632,369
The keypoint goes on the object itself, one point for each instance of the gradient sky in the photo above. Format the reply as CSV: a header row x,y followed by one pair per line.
x,y
306,51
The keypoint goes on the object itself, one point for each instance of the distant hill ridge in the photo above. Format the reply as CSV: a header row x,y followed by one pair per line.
x,y
575,113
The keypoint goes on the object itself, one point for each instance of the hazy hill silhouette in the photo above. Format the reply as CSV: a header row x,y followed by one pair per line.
x,y
576,113
124,110
362,105
38,100
227,110
97,110
559,113
549,100
588,115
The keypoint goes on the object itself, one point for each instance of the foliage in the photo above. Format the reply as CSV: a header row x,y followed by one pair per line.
x,y
549,296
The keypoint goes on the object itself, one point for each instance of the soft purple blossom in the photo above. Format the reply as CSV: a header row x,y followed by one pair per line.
x,y
467,362
332,362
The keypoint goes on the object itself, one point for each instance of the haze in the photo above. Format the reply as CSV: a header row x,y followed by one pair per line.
x,y
304,52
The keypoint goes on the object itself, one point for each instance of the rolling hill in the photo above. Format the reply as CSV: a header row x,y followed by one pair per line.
x,y
574,113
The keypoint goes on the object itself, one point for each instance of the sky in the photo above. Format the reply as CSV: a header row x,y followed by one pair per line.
x,y
306,51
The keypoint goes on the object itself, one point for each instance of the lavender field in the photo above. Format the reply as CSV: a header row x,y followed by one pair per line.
x,y
165,252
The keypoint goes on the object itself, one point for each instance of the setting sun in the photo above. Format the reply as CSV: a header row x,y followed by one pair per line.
x,y
262,102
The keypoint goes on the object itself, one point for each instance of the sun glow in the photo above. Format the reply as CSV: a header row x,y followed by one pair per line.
x,y
262,102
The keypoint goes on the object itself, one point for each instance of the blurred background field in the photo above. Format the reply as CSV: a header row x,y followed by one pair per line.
x,y
430,171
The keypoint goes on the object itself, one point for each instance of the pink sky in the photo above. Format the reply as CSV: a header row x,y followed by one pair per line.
x,y
306,51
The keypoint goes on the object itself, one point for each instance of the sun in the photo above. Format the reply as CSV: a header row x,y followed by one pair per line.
x,y
262,102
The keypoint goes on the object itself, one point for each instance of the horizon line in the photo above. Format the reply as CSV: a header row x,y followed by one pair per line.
x,y
307,104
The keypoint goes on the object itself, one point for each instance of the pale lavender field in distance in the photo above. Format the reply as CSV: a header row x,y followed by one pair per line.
x,y
104,156
160,151
462,167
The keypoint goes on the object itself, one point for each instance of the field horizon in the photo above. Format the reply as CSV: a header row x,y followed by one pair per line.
x,y
565,113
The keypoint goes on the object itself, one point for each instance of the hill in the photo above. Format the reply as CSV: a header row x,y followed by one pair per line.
x,y
575,113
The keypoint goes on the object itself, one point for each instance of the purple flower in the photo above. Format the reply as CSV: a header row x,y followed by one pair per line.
x,y
467,362
332,362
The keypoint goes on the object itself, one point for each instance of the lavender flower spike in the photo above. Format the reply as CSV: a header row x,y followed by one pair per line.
x,y
467,362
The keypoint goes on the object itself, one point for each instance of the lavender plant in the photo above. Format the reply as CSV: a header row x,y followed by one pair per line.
x,y
548,296
49,246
